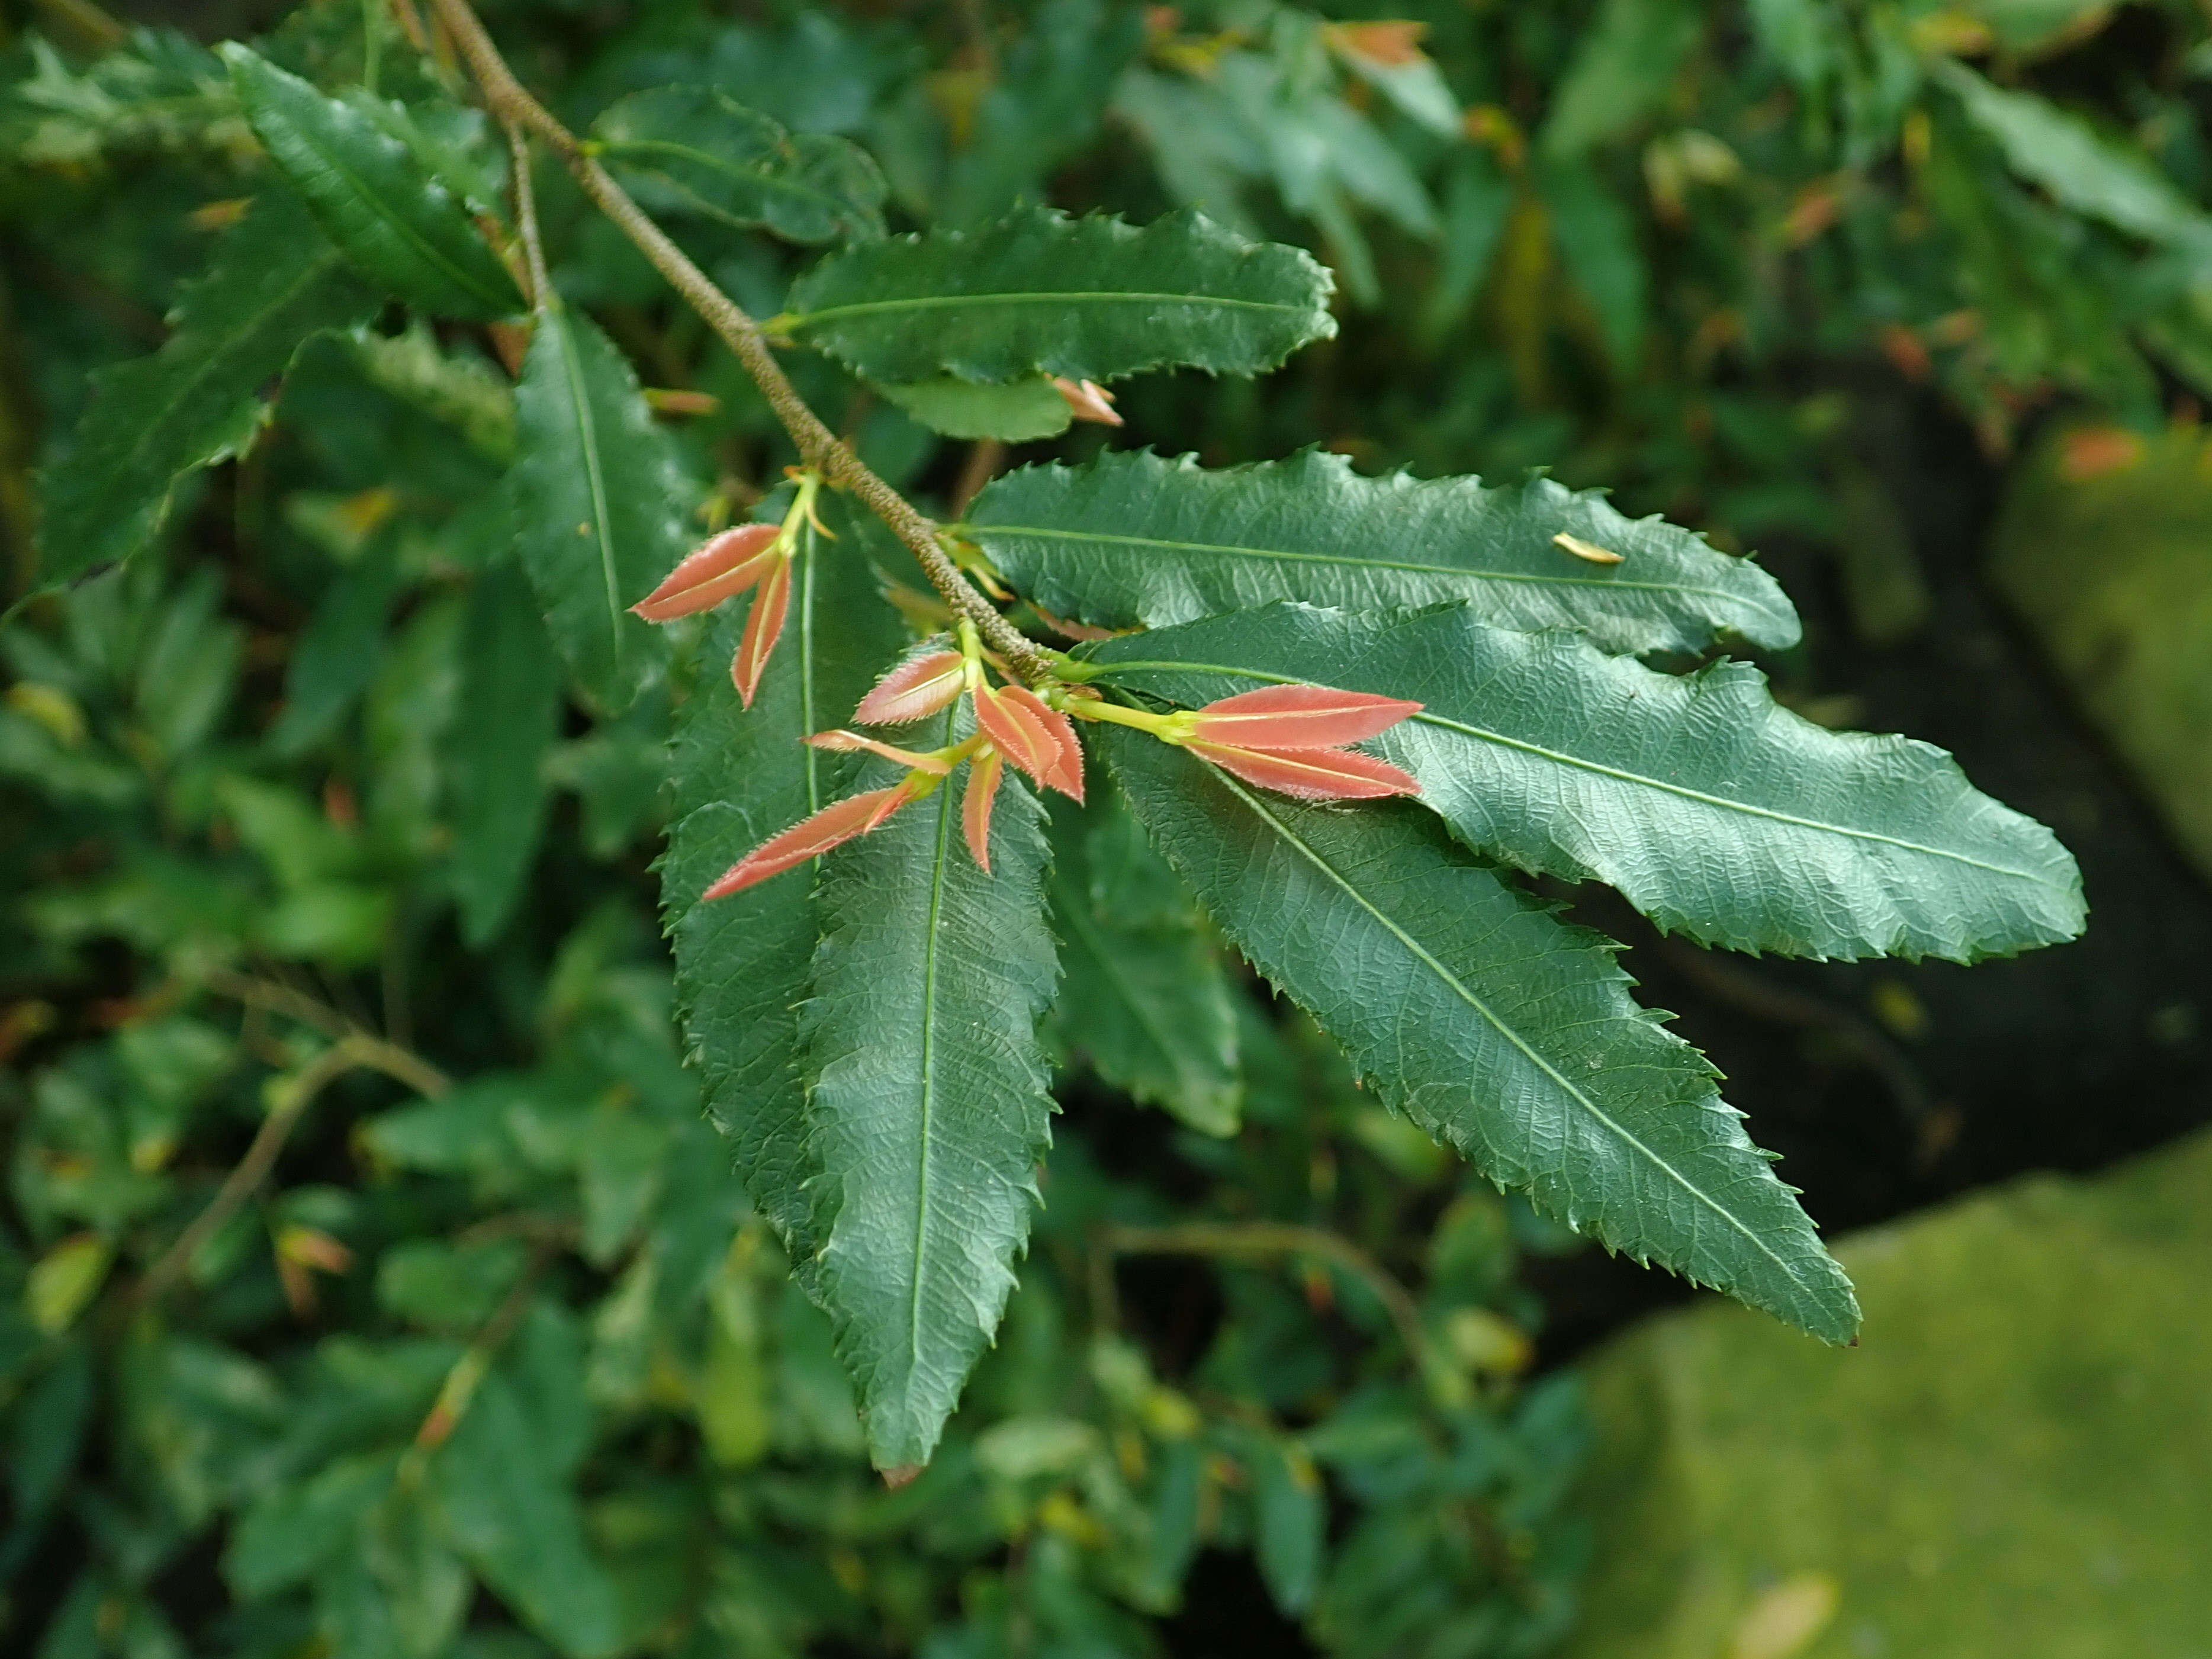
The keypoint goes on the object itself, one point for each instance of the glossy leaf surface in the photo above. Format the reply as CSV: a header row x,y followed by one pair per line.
x,y
1038,292
1145,999
926,1101
398,225
741,776
600,503
1135,539
696,149
1716,811
277,282
1475,1011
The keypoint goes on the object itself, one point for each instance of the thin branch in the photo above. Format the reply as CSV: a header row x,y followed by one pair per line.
x,y
526,216
1233,1238
371,1051
818,448
334,1062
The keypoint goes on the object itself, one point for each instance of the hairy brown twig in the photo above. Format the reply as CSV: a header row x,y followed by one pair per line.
x,y
818,448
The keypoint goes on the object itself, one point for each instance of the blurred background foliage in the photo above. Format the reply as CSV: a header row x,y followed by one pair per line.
x,y
368,1283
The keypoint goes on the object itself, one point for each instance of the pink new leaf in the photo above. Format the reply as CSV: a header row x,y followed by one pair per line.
x,y
832,826
919,686
975,810
1299,717
1312,774
1065,771
763,627
728,563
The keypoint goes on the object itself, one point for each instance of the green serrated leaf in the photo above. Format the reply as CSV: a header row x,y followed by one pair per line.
x,y
1146,1000
1016,412
1038,292
696,149
740,776
2080,167
1715,810
509,717
598,500
1495,1026
277,283
400,227
1135,539
926,1104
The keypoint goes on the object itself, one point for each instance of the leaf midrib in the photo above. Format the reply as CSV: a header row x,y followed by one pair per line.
x,y
1427,718
231,343
921,1211
587,435
1289,554
619,151
1422,954
406,233
807,319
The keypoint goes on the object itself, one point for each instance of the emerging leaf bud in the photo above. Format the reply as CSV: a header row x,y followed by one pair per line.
x,y
763,627
920,686
850,742
1088,399
1036,737
1310,774
983,777
1299,717
727,563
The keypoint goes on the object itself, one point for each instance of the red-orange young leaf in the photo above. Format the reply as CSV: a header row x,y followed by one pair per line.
x,y
1312,774
1017,733
832,826
1300,717
850,742
1064,772
975,810
1087,400
728,563
763,627
920,685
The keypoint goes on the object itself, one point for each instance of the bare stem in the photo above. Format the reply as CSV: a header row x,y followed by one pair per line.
x,y
818,448
526,215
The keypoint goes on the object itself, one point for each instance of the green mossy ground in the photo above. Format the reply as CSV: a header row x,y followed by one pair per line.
x,y
2015,1462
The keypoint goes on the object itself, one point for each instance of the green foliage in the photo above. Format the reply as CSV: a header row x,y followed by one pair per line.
x,y
599,499
1038,292
1713,809
1136,540
694,150
400,225
332,815
1494,1026
276,284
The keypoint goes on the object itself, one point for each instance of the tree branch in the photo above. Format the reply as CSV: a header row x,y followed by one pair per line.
x,y
818,448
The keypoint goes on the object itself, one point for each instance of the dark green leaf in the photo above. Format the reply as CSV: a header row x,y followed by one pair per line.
x,y
1134,539
1475,1011
599,498
277,283
2080,167
399,226
1016,411
1621,72
1290,1514
698,150
741,776
336,657
509,1510
1146,1000
510,715
1716,811
1597,236
1041,293
926,1100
